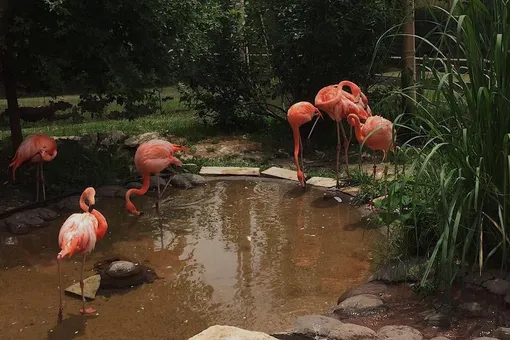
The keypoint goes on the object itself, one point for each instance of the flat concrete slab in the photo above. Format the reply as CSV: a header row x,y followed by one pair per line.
x,y
324,182
353,191
90,287
281,173
229,170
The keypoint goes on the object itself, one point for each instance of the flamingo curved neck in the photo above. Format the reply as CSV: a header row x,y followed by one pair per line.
x,y
138,192
354,120
83,205
102,225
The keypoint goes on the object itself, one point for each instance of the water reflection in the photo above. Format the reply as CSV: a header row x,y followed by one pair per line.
x,y
247,253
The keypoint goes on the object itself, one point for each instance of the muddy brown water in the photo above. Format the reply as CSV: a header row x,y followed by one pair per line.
x,y
249,253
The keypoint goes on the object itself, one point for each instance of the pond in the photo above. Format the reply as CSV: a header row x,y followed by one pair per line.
x,y
252,253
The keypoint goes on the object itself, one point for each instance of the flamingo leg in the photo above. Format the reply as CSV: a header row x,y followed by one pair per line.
x,y
158,198
375,163
43,182
83,310
338,146
302,158
347,142
37,176
61,306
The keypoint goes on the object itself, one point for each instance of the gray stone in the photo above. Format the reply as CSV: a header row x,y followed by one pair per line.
x,y
315,325
400,270
69,203
134,185
440,338
18,229
363,304
374,288
219,332
90,287
497,286
28,218
437,319
502,333
399,333
89,141
154,182
121,192
107,190
123,269
485,338
135,141
111,138
474,308
186,181
44,213
477,279
349,331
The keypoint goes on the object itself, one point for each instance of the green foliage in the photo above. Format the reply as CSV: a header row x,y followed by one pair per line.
x,y
456,189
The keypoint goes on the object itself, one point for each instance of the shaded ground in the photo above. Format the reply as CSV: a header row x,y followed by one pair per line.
x,y
408,308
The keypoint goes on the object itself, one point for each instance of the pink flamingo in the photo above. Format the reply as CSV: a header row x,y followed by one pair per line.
x,y
376,133
338,103
152,157
36,148
298,114
79,234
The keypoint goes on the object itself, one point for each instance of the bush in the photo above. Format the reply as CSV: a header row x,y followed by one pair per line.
x,y
456,209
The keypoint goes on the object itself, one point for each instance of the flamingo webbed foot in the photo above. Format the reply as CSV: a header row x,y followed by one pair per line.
x,y
88,311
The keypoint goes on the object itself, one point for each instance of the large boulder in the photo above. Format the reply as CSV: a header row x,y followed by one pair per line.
x,y
219,332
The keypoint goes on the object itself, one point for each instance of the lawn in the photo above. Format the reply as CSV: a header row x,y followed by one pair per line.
x,y
174,118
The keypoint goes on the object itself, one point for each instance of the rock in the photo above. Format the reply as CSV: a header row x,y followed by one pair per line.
x,y
507,298
18,228
363,304
399,271
374,288
69,203
474,308
399,333
91,285
134,141
349,331
28,218
440,338
186,181
45,214
437,319
477,279
123,269
154,182
315,325
89,141
134,185
502,333
497,286
108,190
290,336
121,192
485,338
139,276
111,138
219,332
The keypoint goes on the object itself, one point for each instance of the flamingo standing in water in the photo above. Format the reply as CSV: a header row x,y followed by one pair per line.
x,y
79,234
338,104
152,157
376,133
298,114
36,148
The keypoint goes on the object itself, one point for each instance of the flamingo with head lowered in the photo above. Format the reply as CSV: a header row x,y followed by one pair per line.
x,y
298,114
79,234
338,103
152,157
36,148
376,133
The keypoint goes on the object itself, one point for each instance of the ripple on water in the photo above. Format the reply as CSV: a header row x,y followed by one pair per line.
x,y
196,199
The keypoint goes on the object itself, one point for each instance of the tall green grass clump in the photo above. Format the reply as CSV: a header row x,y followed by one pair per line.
x,y
452,204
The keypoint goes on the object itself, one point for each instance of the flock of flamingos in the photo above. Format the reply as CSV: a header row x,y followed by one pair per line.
x,y
81,231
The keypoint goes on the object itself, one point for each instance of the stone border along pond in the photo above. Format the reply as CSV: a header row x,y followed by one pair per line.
x,y
365,300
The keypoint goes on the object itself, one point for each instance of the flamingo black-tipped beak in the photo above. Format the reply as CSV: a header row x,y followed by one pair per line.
x,y
91,207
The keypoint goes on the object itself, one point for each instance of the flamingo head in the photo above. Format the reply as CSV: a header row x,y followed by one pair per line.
x,y
301,178
318,113
48,155
130,207
175,161
90,195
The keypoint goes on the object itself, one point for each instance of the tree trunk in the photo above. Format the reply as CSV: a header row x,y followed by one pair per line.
x,y
408,62
9,76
